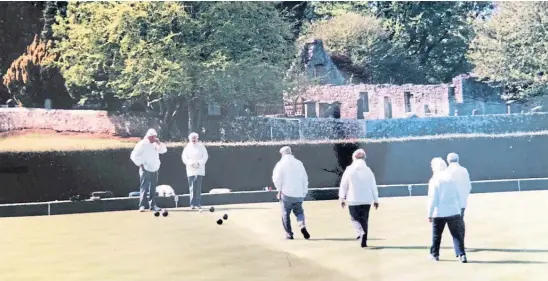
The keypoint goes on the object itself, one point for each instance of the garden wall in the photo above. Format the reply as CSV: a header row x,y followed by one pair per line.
x,y
80,121
272,129
29,177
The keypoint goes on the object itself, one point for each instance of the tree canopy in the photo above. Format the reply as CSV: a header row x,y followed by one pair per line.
x,y
366,43
433,36
175,52
510,48
171,55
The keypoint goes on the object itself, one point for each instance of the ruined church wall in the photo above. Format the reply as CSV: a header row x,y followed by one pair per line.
x,y
434,96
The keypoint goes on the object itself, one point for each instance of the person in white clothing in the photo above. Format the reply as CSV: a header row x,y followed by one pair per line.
x,y
444,208
146,156
358,190
291,182
460,175
195,158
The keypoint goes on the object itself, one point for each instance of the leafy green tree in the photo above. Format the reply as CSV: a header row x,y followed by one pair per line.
x,y
364,40
434,35
510,48
174,54
19,22
31,78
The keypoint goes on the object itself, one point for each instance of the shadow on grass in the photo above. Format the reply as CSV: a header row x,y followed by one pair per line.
x,y
507,262
471,250
217,209
343,239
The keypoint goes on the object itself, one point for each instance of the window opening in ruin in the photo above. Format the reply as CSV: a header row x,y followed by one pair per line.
x,y
387,108
408,96
364,97
310,109
427,110
319,70
323,108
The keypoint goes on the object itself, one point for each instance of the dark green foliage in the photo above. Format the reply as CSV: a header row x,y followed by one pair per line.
x,y
19,22
28,177
510,49
31,78
427,40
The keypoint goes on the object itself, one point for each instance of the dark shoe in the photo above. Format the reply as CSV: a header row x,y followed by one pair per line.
x,y
463,259
436,258
305,233
289,237
364,242
358,238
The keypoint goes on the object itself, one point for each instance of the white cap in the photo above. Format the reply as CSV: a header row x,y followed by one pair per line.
x,y
193,135
285,150
151,132
438,164
452,157
359,154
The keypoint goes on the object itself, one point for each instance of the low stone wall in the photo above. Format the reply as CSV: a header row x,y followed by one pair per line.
x,y
130,203
242,129
478,124
81,121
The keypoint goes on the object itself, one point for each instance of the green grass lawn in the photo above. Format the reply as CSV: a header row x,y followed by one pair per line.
x,y
505,241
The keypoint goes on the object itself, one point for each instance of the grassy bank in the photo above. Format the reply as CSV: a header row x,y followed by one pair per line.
x,y
60,142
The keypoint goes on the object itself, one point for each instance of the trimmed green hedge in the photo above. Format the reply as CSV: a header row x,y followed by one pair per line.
x,y
31,177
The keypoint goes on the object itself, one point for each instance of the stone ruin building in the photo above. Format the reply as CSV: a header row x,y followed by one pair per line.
x,y
466,95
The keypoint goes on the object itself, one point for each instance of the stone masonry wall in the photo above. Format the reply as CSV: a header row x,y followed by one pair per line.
x,y
80,121
242,129
436,97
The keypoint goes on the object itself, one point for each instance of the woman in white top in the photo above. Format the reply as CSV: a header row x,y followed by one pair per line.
x,y
444,207
195,158
359,190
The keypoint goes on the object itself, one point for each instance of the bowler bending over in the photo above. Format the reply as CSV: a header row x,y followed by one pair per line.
x,y
444,208
146,155
195,158
359,190
291,181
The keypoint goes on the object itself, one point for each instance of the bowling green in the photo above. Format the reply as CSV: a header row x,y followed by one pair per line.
x,y
506,240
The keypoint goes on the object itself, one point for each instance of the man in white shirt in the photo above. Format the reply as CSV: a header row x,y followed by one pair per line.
x,y
146,155
195,158
444,208
291,182
460,175
359,191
